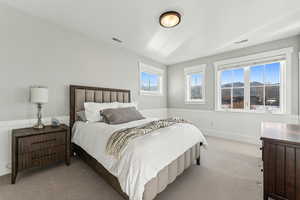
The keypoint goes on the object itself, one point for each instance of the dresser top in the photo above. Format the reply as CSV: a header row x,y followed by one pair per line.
x,y
283,132
23,132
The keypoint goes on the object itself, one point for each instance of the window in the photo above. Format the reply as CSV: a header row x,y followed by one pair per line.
x,y
150,80
265,86
232,88
256,83
194,77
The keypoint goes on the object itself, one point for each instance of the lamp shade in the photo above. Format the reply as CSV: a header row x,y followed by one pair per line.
x,y
38,95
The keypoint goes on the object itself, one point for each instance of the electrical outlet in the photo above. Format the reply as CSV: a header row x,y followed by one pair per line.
x,y
211,124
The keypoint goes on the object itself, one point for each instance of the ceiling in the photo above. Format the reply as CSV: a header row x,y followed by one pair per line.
x,y
208,26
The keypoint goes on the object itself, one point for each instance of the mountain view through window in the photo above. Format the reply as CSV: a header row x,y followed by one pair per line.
x,y
263,88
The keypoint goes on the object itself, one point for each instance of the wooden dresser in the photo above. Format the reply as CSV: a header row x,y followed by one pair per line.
x,y
39,147
281,161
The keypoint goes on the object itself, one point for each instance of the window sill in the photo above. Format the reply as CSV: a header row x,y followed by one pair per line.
x,y
195,102
251,112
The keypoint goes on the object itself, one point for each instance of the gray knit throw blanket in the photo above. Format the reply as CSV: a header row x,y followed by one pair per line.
x,y
121,138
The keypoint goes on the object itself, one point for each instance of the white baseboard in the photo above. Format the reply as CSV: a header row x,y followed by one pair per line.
x,y
4,169
231,136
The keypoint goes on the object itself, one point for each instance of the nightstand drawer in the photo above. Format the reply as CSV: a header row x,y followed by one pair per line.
x,y
42,157
34,143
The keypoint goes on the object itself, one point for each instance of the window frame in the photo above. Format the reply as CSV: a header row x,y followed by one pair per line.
x,y
231,89
199,69
246,63
154,71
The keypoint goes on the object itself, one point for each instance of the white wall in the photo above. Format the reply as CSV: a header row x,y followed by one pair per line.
x,y
239,126
33,51
36,52
176,74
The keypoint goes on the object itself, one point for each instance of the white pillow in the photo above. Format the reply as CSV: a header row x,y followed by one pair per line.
x,y
126,105
92,110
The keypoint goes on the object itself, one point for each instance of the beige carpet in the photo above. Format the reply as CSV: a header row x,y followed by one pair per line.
x,y
229,171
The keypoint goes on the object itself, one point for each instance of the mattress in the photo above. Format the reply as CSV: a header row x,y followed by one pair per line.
x,y
170,172
141,174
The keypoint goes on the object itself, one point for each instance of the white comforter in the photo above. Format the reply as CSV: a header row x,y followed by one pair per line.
x,y
144,157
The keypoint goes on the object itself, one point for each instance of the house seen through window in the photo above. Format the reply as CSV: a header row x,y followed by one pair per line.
x,y
254,87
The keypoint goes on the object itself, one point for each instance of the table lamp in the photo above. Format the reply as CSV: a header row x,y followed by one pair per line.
x,y
39,96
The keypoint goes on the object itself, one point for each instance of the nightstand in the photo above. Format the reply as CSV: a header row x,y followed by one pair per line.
x,y
39,147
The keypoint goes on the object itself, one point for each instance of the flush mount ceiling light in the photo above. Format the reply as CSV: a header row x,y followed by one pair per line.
x,y
169,19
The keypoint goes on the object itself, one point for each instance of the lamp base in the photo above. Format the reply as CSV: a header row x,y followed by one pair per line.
x,y
39,126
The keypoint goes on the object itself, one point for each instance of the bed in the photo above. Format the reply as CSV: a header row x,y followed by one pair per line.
x,y
165,176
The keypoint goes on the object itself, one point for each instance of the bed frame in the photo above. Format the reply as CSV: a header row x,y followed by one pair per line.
x,y
80,94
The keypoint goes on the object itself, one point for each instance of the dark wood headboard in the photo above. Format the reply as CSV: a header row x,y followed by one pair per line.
x,y
80,94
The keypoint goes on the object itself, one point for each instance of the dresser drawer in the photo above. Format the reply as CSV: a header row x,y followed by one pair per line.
x,y
42,157
34,143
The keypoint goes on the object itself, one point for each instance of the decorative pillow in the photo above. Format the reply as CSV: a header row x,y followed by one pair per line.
x,y
81,116
121,115
92,110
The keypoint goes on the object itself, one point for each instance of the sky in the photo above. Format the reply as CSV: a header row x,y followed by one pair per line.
x,y
153,78
196,79
269,74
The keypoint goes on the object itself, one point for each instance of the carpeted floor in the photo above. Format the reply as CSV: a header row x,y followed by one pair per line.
x,y
229,171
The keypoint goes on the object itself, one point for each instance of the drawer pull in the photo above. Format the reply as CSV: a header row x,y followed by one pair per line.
x,y
44,141
43,156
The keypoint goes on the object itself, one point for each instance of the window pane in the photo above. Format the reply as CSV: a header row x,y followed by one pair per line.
x,y
196,92
196,86
149,82
257,98
257,75
238,98
226,78
272,73
272,96
145,81
196,79
154,81
226,98
265,84
238,78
